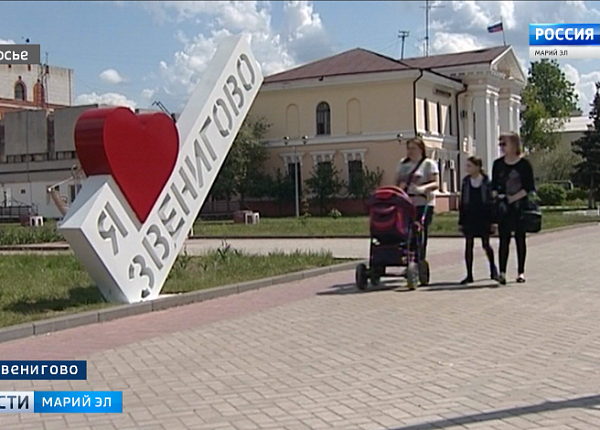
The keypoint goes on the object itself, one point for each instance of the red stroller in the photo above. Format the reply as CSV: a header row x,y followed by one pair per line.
x,y
396,239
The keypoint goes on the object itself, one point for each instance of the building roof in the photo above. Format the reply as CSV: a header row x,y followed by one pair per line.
x,y
360,60
479,56
576,124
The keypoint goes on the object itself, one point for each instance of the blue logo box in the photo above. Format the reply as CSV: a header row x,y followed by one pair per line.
x,y
564,34
106,402
43,370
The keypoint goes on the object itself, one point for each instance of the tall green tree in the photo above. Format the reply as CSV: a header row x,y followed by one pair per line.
x,y
557,164
549,99
324,184
587,172
242,173
281,188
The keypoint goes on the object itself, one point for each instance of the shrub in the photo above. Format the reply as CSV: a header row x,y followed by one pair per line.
x,y
577,194
16,235
551,195
335,214
576,203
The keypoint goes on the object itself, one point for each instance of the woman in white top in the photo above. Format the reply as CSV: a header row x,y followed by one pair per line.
x,y
418,176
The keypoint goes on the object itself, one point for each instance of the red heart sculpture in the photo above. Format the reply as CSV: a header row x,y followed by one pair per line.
x,y
139,151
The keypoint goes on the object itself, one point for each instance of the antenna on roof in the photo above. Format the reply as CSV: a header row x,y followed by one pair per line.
x,y
428,7
403,34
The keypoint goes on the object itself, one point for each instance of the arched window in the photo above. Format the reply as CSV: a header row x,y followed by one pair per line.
x,y
20,91
38,93
323,118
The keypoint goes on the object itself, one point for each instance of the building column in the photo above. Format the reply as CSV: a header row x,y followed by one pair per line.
x,y
495,130
515,101
482,105
505,113
467,130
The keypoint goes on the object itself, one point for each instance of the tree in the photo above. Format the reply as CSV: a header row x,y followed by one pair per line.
x,y
242,172
324,184
556,164
280,188
588,148
364,183
549,98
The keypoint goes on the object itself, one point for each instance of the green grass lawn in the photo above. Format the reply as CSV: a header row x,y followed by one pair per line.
x,y
34,287
443,224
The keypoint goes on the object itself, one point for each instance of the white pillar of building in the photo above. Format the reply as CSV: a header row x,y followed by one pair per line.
x,y
515,101
495,124
484,135
505,113
468,125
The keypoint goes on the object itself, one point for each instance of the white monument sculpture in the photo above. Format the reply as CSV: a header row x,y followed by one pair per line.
x,y
148,178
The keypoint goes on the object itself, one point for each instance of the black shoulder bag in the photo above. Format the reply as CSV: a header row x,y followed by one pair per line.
x,y
531,216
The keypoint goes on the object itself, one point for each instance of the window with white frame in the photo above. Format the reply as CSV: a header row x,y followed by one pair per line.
x,y
322,157
293,164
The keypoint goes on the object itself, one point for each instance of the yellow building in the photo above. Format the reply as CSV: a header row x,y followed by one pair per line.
x,y
352,109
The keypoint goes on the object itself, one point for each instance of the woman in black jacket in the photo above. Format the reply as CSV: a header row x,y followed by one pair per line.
x,y
475,216
512,182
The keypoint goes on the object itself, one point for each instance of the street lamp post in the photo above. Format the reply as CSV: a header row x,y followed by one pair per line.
x,y
296,187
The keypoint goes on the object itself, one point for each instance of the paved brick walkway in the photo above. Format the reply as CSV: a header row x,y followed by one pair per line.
x,y
316,355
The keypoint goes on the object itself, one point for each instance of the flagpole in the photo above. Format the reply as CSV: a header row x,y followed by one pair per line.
x,y
503,36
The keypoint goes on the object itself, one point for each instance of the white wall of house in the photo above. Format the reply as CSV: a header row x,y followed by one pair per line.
x,y
35,193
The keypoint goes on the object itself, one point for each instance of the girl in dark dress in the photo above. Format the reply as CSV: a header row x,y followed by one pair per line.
x,y
475,216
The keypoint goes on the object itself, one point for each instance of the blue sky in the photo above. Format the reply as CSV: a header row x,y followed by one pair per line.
x,y
133,53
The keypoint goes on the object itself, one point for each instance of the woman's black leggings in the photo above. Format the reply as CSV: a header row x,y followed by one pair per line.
x,y
485,243
506,227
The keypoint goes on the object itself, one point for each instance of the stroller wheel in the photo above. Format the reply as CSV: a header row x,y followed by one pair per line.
x,y
362,277
412,276
424,275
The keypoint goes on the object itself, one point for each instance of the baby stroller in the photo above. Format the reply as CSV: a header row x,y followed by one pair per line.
x,y
396,240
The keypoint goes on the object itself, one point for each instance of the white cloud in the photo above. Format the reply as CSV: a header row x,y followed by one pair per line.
x,y
147,93
7,42
301,38
454,42
111,76
585,85
110,99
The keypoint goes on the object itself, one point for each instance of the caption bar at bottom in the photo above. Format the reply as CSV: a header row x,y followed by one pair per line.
x,y
63,402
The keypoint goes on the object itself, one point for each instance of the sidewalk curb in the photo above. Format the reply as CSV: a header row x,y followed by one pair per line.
x,y
121,311
63,246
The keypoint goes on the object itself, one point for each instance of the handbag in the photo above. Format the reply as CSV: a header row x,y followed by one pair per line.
x,y
531,217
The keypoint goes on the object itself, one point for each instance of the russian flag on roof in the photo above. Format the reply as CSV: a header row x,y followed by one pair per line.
x,y
495,28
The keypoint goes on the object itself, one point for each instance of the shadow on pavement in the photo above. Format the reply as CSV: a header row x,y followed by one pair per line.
x,y
400,287
455,286
581,402
343,289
